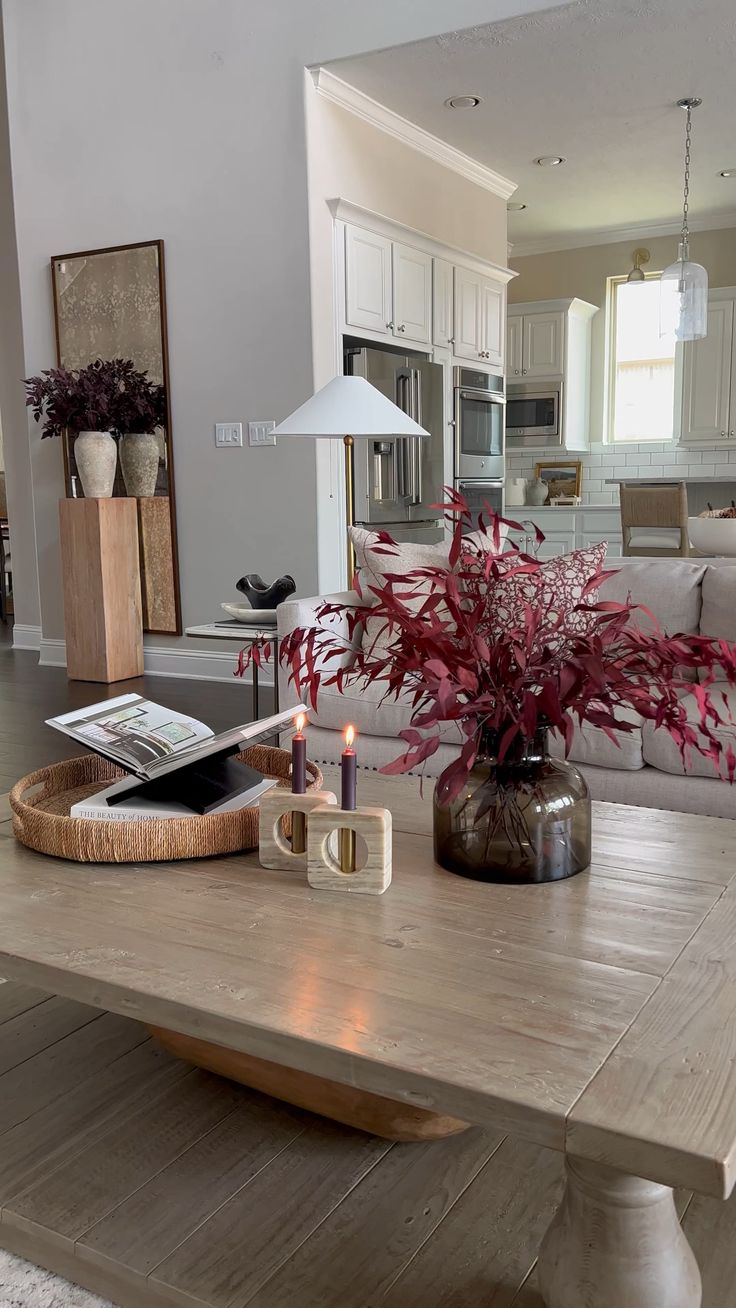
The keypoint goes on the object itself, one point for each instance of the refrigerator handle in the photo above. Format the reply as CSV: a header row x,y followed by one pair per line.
x,y
402,402
416,443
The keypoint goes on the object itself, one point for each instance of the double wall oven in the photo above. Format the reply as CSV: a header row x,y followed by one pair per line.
x,y
479,423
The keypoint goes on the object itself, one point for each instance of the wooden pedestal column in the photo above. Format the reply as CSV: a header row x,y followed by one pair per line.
x,y
616,1242
102,589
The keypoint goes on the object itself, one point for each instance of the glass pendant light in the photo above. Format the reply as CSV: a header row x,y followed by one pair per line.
x,y
683,305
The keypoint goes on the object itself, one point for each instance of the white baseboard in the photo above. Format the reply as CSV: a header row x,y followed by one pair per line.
x,y
26,637
163,661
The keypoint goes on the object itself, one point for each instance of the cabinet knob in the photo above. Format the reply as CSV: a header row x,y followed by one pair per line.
x,y
523,372
389,326
723,433
402,328
516,371
451,340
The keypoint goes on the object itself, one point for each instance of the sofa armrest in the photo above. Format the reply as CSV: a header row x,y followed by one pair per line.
x,y
295,613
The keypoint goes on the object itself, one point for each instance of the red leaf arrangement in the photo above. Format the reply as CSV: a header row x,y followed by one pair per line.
x,y
540,666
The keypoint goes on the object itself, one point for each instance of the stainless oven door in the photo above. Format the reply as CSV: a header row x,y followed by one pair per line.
x,y
479,433
481,496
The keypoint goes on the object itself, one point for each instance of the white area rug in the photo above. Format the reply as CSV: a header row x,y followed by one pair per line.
x,y
24,1286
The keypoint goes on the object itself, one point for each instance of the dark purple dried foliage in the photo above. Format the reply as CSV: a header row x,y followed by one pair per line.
x,y
108,395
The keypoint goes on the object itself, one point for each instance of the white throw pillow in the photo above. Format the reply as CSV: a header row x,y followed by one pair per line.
x,y
376,562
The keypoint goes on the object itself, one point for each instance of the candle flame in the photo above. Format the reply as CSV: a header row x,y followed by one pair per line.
x,y
300,720
349,736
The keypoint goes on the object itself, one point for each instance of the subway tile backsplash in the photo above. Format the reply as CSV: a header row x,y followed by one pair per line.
x,y
602,461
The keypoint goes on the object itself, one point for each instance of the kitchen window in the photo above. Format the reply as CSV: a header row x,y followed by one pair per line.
x,y
641,364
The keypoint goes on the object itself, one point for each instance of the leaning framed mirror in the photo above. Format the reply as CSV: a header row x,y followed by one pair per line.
x,y
111,304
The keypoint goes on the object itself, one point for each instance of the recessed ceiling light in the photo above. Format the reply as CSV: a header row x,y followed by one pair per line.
x,y
727,172
515,206
549,160
463,102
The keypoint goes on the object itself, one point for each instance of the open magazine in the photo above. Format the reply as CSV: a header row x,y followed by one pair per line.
x,y
150,740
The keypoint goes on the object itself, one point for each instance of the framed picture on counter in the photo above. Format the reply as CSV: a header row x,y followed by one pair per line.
x,y
561,478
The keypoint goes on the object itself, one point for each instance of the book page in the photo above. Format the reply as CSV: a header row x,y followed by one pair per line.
x,y
134,731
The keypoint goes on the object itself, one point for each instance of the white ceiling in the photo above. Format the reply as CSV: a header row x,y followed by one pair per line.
x,y
594,81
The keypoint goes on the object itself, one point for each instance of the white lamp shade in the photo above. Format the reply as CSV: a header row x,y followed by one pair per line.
x,y
349,406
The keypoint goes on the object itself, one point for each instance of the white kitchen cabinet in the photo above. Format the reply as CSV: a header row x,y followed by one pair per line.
x,y
536,343
467,314
514,336
412,285
543,338
566,530
442,299
479,317
368,280
708,369
549,341
492,320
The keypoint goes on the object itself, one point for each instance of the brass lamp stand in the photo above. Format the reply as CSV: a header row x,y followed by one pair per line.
x,y
349,515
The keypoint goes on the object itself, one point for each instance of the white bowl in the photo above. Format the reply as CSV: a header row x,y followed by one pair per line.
x,y
715,537
250,617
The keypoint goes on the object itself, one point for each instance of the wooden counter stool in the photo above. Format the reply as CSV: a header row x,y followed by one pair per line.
x,y
654,520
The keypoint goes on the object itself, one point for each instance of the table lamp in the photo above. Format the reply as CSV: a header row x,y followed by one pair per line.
x,y
349,407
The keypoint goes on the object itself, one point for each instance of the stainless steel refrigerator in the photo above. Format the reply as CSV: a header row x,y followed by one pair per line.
x,y
397,481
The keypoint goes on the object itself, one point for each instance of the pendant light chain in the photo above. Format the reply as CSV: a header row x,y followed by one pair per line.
x,y
686,194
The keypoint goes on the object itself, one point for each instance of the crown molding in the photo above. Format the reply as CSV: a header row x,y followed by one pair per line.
x,y
613,235
363,106
345,211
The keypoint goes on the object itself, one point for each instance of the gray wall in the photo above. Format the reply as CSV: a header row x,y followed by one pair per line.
x,y
185,120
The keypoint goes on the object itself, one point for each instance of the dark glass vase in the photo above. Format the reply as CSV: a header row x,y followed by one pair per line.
x,y
524,820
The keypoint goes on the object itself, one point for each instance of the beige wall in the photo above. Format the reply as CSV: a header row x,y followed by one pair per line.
x,y
583,272
350,159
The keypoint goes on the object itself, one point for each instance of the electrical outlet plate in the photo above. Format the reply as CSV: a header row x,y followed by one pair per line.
x,y
228,434
261,433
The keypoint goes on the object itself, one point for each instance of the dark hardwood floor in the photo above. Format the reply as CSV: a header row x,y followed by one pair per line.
x,y
29,694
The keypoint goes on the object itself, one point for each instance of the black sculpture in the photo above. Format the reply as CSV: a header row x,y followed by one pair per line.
x,y
261,596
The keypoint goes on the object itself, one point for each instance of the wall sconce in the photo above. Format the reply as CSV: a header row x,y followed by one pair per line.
x,y
641,256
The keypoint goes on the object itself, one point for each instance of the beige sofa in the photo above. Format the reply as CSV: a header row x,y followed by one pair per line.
x,y
645,768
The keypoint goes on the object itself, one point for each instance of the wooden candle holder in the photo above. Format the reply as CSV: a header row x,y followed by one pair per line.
x,y
274,849
323,866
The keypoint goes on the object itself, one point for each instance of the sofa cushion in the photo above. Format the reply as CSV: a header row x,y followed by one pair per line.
x,y
669,588
718,613
558,585
364,703
661,752
591,745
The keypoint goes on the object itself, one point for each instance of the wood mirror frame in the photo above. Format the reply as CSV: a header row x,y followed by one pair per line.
x,y
126,319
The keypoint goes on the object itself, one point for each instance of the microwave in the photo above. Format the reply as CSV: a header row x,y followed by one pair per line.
x,y
534,415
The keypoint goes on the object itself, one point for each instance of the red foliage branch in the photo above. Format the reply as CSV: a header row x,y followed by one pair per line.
x,y
445,649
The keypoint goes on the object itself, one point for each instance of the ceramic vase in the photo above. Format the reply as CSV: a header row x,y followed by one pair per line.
x,y
524,820
139,459
96,457
536,492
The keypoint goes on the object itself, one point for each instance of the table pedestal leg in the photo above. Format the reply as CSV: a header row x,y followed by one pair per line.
x,y
615,1242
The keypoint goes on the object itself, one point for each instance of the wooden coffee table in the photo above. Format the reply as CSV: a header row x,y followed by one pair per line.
x,y
595,1016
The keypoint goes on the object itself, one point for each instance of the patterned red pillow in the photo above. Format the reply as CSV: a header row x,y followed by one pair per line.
x,y
557,588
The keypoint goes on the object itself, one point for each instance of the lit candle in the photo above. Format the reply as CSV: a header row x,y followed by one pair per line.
x,y
349,777
348,765
299,758
299,785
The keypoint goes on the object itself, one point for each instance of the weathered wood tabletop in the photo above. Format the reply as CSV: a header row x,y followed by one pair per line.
x,y
597,1014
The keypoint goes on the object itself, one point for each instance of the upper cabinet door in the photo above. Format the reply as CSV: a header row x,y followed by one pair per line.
x,y
467,315
368,280
706,378
543,347
412,316
493,320
442,303
514,331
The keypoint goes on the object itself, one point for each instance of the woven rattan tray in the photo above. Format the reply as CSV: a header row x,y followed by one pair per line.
x,y
41,820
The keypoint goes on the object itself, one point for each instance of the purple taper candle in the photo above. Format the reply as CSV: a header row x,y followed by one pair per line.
x,y
299,758
349,772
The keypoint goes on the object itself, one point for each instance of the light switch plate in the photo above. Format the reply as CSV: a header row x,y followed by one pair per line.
x,y
228,434
260,433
